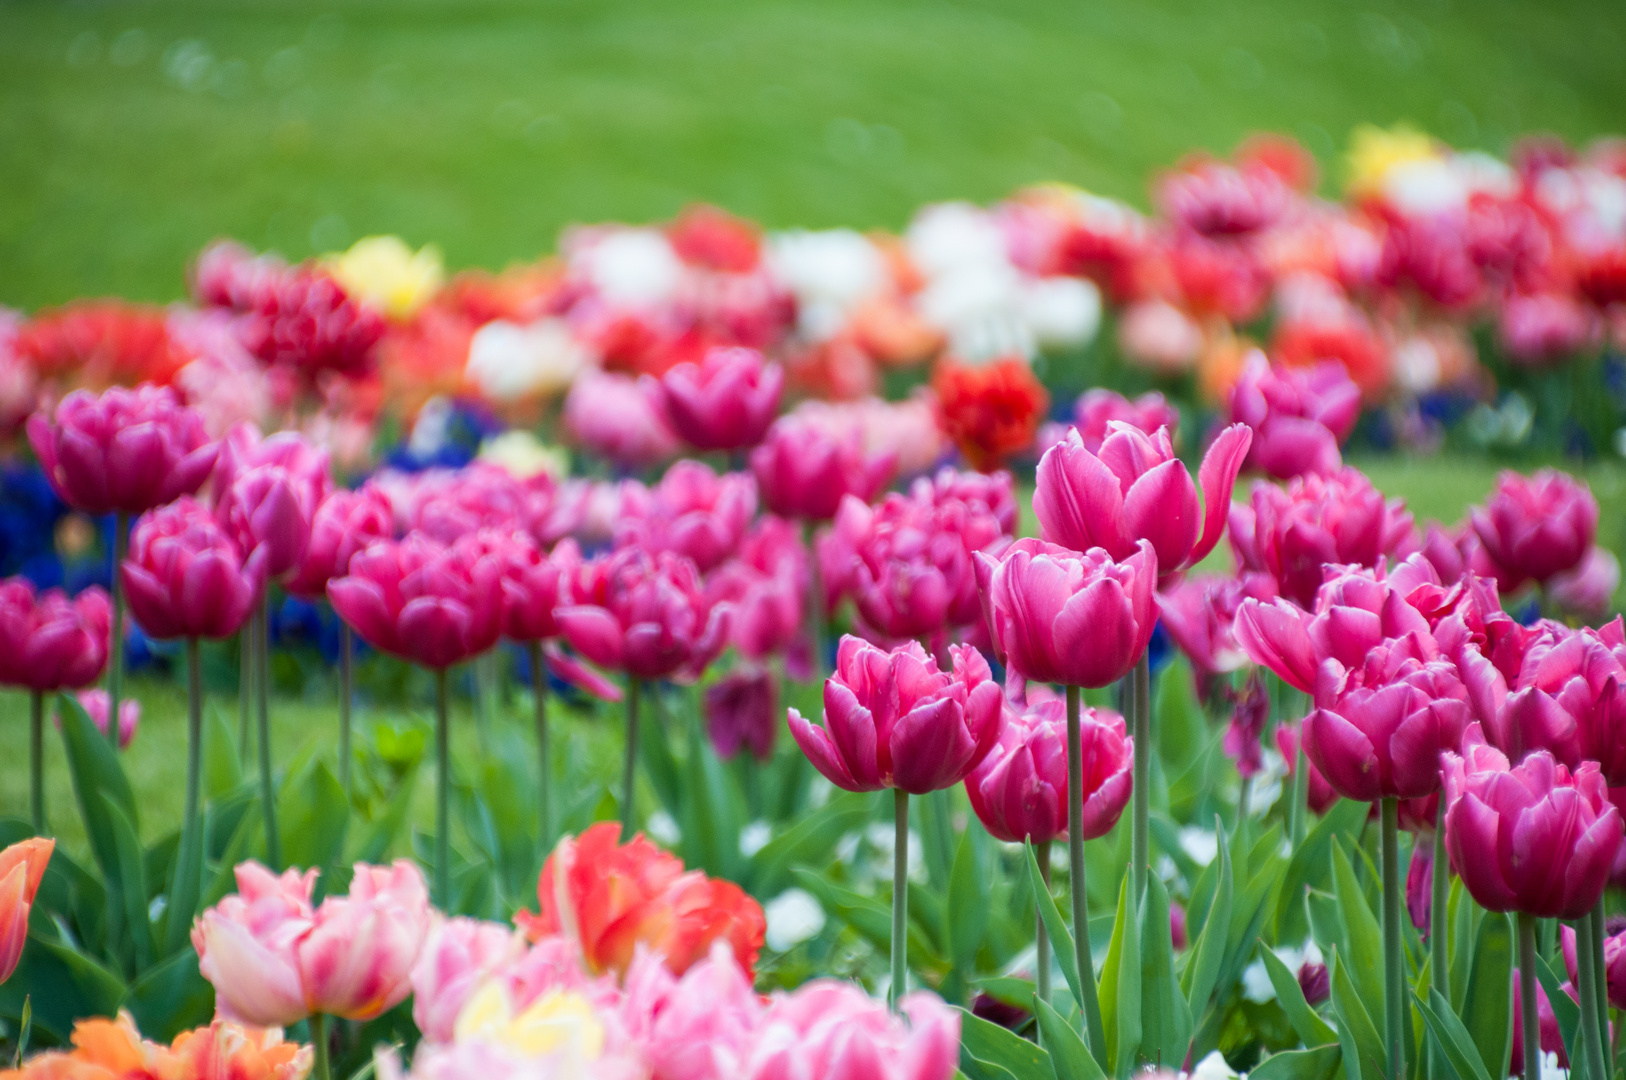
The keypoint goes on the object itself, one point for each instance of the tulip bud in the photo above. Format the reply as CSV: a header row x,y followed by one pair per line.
x,y
742,711
22,866
185,577
726,401
49,642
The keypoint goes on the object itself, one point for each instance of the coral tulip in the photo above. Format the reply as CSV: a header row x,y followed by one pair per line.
x,y
1299,416
345,524
726,401
217,1051
645,614
430,604
693,512
22,866
804,468
186,577
1539,526
829,1030
49,642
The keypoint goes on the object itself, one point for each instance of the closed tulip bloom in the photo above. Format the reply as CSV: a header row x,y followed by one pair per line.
x,y
693,512
742,711
127,451
1064,617
1533,837
248,946
267,494
22,866
1537,526
894,720
346,523
726,401
356,961
531,586
185,577
645,614
1136,489
804,468
616,418
414,598
49,642
1569,699
1551,1035
1299,416
832,1030
1019,791
1614,961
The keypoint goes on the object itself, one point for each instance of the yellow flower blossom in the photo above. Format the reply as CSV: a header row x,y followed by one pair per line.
x,y
384,272
1374,152
559,1023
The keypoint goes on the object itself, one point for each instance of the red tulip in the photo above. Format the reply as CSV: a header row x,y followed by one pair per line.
x,y
49,642
1532,837
267,494
422,601
127,450
345,524
22,866
726,401
185,577
742,711
895,720
1299,416
1539,526
303,319
1019,791
642,613
991,412
804,468
693,512
1064,617
1136,489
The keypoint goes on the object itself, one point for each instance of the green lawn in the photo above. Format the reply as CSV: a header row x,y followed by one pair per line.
x,y
132,133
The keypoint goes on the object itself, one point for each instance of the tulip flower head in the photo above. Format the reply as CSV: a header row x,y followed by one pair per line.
x,y
991,411
267,494
1200,615
742,712
1096,410
642,613
693,512
1569,698
1319,794
186,577
103,1047
805,467
345,524
1614,960
96,703
49,642
532,583
1539,526
421,601
447,504
694,1026
1299,416
616,418
22,867
127,451
831,1029
726,401
766,586
894,720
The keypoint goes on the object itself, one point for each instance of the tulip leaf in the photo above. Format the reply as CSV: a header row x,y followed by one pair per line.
x,y
868,916
1361,940
376,841
1313,1064
1348,1051
1453,1038
936,832
808,841
1565,1010
98,782
133,882
1307,1023
999,1046
1308,867
1070,1058
1123,923
974,1068
1180,728
171,997
313,814
1209,952
1464,932
1487,1010
1128,986
63,985
222,767
1248,913
1347,1005
967,914
1061,938
1165,1016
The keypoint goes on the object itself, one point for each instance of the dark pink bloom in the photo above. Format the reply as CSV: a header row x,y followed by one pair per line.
x,y
1537,526
1211,198
532,585
127,450
1551,1036
185,577
693,512
304,320
1316,983
347,522
1614,962
805,467
1095,410
267,493
642,613
1200,615
1544,327
989,500
49,642
446,504
429,603
893,719
742,711
617,418
1299,416
1248,720
1420,886
726,401
1319,794
1569,698
766,585
1019,791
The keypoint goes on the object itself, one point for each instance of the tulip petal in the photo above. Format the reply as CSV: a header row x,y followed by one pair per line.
x,y
1217,478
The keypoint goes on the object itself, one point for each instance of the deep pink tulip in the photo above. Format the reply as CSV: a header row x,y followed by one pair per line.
x,y
1096,409
127,450
1217,199
1456,551
1614,962
346,523
766,585
1299,416
424,602
1420,887
804,468
616,418
1136,489
895,720
726,401
1292,533
742,712
267,494
1569,698
446,504
1319,794
532,585
1315,982
1249,714
356,962
185,577
1200,615
49,642
1539,526
96,702
693,512
831,1030
989,501
1019,791
1587,591
645,614
1064,617
1532,837
459,954
248,946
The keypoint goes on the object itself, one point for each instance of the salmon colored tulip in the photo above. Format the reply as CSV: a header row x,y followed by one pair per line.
x,y
22,866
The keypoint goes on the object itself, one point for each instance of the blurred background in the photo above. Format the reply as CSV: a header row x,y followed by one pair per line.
x,y
132,133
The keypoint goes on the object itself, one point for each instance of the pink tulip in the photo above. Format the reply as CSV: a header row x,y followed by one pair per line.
x,y
423,602
357,959
1543,327
345,524
127,451
532,583
1019,791
95,704
618,419
1420,887
1299,416
248,946
726,401
742,711
1250,712
267,493
1587,591
49,642
1136,489
1532,837
1095,410
643,613
1213,198
1200,615
185,577
1291,534
766,585
693,512
829,1030
699,1026
1319,794
988,499
1569,699
895,720
1539,526
446,504
1614,962
1063,617
804,468
1456,551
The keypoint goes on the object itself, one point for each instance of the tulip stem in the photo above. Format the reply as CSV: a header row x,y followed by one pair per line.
x,y
115,644
245,686
1601,985
629,768
815,607
544,775
1140,844
1393,957
1587,982
1298,809
347,650
189,860
1041,852
443,795
1094,1029
36,761
1529,1020
1439,929
900,897
322,1070
262,695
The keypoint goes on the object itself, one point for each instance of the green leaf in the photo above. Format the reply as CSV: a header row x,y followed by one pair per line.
x,y
222,768
1311,1064
1165,1016
62,984
1290,996
809,841
1113,1001
1128,987
375,843
134,881
171,997
1347,1049
1061,938
1487,1010
1362,938
1004,1048
1464,932
1308,868
1069,1056
98,781
868,916
1180,726
967,906
974,1068
1453,1038
1347,1005
704,840
1209,951
313,814
1565,1010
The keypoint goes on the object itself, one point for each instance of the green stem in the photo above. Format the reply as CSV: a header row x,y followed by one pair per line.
x,y
245,686
115,644
815,607
443,795
1439,929
1298,811
1529,1019
189,859
36,761
1041,852
900,897
629,768
1587,982
544,775
1239,842
1094,1029
1600,979
322,1069
262,694
1140,845
1393,956
347,650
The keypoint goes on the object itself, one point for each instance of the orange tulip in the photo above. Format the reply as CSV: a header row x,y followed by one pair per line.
x,y
22,865
114,1050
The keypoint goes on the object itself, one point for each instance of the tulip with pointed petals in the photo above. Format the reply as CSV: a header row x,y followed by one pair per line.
x,y
22,866
726,401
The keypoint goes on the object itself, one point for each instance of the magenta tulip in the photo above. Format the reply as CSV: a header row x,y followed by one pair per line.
x,y
1551,1035
1095,410
431,604
766,585
1200,615
1064,617
49,642
804,468
267,494
127,451
726,401
185,577
742,712
1136,489
693,512
1569,699
1019,791
895,720
988,499
1533,837
532,584
1614,961
1299,416
1539,526
346,523
645,614
616,418
446,504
